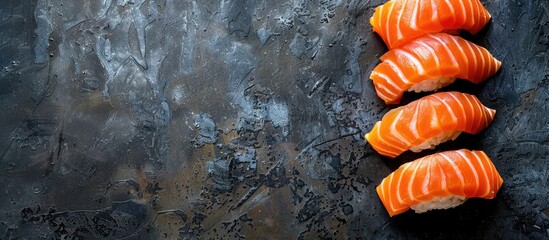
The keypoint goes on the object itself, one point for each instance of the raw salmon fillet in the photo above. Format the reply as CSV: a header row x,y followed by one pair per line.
x,y
440,181
399,21
429,63
428,121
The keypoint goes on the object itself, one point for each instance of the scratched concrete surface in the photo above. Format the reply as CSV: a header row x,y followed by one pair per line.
x,y
236,119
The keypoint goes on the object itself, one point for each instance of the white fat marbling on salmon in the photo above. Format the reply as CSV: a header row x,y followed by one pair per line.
x,y
462,14
472,168
431,50
450,109
443,180
385,143
399,22
453,12
413,23
387,26
412,180
463,113
455,168
383,86
473,54
413,123
434,17
398,71
462,53
382,148
480,109
484,174
425,187
470,10
400,184
471,116
395,133
389,184
417,63
443,44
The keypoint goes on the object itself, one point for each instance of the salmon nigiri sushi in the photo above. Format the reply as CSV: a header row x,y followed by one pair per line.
x,y
427,122
399,21
429,63
439,181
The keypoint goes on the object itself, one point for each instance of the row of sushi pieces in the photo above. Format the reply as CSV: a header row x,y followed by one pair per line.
x,y
424,56
441,180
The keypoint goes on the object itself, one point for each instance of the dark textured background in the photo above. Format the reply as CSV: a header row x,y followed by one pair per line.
x,y
171,119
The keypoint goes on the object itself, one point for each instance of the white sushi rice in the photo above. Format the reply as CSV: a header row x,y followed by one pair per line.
x,y
432,84
436,140
439,203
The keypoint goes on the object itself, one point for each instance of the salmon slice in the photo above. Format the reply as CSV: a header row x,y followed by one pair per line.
x,y
429,63
439,181
399,21
427,122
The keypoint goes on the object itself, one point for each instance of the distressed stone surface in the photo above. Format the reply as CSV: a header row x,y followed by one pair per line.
x,y
232,119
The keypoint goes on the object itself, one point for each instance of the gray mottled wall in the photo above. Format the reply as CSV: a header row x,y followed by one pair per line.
x,y
240,118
